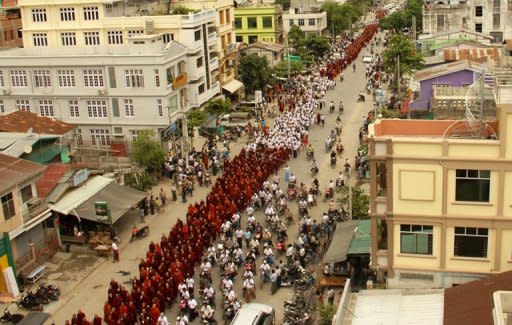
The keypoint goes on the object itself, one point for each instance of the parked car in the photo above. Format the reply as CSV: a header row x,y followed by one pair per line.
x,y
367,58
254,314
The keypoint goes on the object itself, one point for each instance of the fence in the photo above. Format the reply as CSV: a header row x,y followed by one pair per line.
x,y
342,307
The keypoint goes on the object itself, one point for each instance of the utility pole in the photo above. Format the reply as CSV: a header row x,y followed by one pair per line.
x,y
350,212
482,99
414,29
288,55
398,77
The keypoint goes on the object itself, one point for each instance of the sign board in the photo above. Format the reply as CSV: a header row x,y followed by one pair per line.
x,y
102,213
80,177
294,58
258,96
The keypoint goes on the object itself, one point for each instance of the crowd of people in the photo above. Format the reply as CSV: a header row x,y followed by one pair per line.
x,y
166,272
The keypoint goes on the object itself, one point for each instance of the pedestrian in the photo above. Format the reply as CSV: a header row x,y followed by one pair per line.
x,y
162,320
330,296
142,215
184,194
152,204
163,197
173,192
287,174
273,282
322,119
115,250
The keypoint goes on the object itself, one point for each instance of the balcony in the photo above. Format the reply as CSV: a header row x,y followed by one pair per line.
x,y
214,64
212,38
216,87
180,81
35,207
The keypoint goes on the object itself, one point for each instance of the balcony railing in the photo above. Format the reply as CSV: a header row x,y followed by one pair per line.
x,y
35,207
216,87
180,81
212,37
214,63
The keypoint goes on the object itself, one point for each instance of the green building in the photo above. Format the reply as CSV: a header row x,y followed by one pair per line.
x,y
259,24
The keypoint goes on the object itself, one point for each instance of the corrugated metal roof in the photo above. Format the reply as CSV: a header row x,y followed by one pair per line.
x,y
14,171
51,177
13,144
362,240
76,197
393,307
341,239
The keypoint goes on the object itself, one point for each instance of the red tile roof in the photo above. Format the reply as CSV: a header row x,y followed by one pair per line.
x,y
471,303
50,178
21,121
14,171
433,128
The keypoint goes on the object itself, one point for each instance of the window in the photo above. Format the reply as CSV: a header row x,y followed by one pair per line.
x,y
253,39
38,15
128,108
496,23
291,22
497,37
134,32
200,89
221,17
159,108
2,106
267,22
239,39
470,242
228,16
42,78
135,134
2,83
92,38
472,185
74,111
23,105
8,206
67,14
157,78
68,39
26,193
478,28
238,22
301,22
197,35
134,78
167,37
40,39
46,108
311,22
77,133
66,78
100,137
91,13
115,37
115,107
199,62
440,23
170,76
93,78
416,239
96,108
251,22
19,78
479,11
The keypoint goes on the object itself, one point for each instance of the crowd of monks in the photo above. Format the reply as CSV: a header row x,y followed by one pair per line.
x,y
169,262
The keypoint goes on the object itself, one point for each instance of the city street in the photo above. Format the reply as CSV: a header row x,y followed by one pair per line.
x,y
90,292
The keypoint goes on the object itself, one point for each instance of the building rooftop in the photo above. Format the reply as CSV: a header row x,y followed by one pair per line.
x,y
447,68
423,128
51,177
473,54
267,46
471,303
461,32
14,171
22,121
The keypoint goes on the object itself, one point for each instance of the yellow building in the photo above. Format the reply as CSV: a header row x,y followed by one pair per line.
x,y
441,200
259,23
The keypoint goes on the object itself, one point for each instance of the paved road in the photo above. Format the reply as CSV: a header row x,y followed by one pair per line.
x,y
90,293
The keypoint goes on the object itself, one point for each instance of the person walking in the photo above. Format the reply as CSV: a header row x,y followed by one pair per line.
x,y
330,296
115,250
162,320
173,192
273,282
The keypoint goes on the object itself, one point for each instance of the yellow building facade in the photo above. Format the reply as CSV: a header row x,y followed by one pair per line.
x,y
259,24
441,200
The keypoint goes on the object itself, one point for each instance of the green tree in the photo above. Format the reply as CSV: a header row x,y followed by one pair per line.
x,y
285,4
396,21
401,48
218,106
147,152
360,201
317,44
296,36
281,69
195,118
339,16
326,312
254,72
182,10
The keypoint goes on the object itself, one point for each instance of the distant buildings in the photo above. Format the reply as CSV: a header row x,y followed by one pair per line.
x,y
259,23
309,21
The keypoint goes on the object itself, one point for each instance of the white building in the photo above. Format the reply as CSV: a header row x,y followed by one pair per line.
x,y
109,92
310,22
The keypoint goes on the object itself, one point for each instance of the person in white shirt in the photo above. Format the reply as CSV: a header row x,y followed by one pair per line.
x,y
162,320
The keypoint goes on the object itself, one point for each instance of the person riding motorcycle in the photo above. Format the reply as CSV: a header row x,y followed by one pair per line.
x,y
333,156
314,167
310,150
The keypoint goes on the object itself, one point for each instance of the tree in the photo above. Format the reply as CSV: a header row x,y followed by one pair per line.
x,y
218,106
254,72
326,312
182,10
317,44
401,48
195,118
360,201
339,16
147,152
281,69
296,36
403,19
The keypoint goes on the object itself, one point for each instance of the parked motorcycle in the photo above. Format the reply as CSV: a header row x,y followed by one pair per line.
x,y
29,303
140,233
10,318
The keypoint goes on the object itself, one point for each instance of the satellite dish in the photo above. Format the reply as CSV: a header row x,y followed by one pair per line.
x,y
27,148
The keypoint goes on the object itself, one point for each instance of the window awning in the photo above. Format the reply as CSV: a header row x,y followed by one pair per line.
x,y
232,86
337,251
120,200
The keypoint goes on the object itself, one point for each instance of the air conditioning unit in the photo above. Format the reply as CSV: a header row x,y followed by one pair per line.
x,y
102,92
6,92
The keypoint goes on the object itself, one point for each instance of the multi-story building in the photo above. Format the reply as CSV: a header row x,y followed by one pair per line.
x,y
22,214
10,25
310,22
106,24
259,23
111,92
227,55
441,205
491,17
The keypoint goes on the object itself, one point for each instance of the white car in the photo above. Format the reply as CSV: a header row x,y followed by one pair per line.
x,y
367,58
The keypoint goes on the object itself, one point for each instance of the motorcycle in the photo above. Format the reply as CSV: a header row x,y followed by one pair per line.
x,y
328,194
29,303
333,161
314,171
310,154
12,318
339,148
140,233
